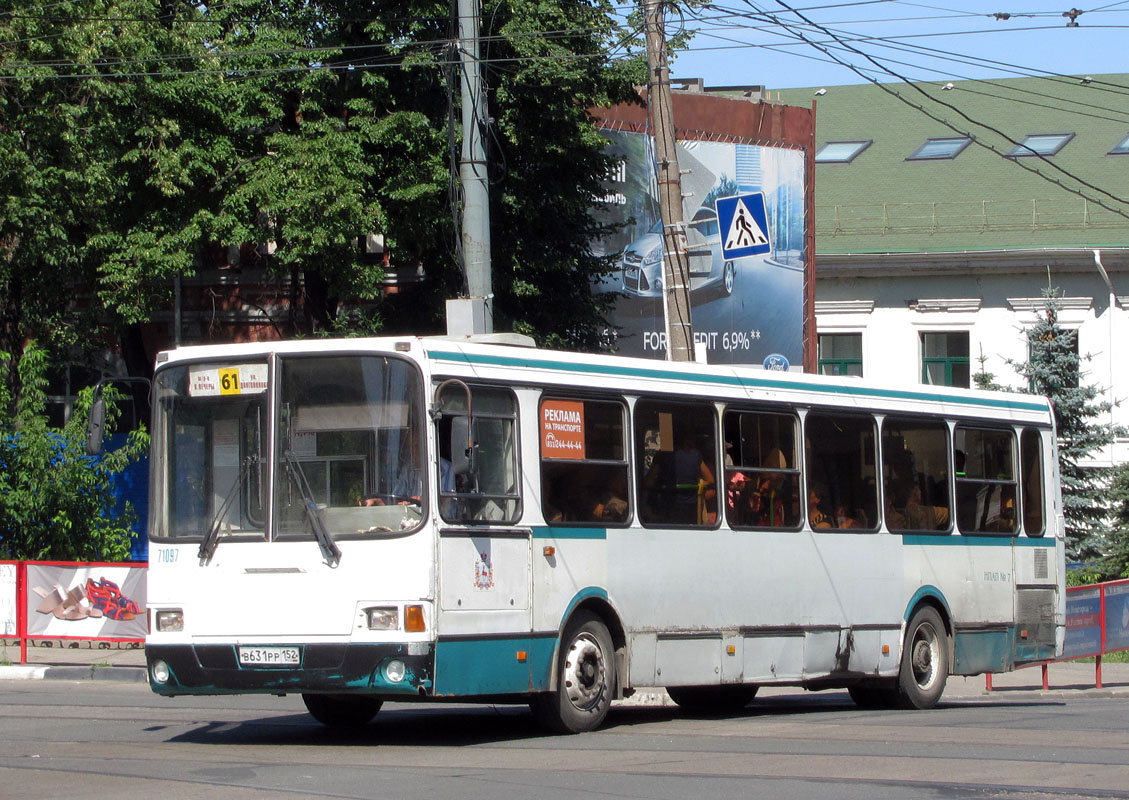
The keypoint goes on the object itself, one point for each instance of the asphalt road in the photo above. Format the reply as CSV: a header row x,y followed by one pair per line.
x,y
110,739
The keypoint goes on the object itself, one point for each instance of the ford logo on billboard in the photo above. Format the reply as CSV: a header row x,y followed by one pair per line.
x,y
776,363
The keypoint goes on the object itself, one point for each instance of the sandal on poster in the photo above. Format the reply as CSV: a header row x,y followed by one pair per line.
x,y
51,598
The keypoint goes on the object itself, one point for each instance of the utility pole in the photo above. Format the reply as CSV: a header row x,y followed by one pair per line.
x,y
474,313
676,269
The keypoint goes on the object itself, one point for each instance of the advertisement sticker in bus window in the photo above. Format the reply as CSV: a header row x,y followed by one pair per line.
x,y
562,429
205,381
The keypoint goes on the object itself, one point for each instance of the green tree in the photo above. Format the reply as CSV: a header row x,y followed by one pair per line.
x,y
136,136
55,501
1054,370
1116,563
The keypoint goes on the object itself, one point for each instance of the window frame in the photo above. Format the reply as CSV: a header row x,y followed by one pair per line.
x,y
948,361
939,421
961,143
796,470
960,479
1121,148
623,463
451,501
832,413
1024,150
861,146
842,363
668,404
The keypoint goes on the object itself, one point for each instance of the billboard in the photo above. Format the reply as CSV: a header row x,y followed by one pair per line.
x,y
746,310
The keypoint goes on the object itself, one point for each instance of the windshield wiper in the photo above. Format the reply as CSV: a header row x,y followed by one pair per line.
x,y
325,540
208,546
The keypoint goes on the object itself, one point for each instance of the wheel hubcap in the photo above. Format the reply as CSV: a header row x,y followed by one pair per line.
x,y
923,657
584,673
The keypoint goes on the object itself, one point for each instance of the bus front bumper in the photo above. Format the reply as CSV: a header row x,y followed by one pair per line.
x,y
384,669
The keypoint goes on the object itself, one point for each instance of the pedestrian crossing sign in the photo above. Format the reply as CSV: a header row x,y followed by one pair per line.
x,y
743,223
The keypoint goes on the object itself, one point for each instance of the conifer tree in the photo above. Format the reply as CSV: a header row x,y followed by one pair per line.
x,y
1054,370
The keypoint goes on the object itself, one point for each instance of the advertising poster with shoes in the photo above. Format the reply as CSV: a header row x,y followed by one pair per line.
x,y
88,601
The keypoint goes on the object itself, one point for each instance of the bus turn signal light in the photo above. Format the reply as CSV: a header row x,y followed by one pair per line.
x,y
413,619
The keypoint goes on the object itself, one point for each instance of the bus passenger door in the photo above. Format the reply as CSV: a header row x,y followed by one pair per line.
x,y
483,621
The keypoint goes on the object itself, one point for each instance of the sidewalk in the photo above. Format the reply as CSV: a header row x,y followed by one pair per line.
x,y
83,660
74,661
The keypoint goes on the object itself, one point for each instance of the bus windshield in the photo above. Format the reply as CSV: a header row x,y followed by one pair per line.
x,y
346,459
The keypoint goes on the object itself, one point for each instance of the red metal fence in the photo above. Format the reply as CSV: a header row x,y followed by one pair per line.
x,y
1097,622
69,600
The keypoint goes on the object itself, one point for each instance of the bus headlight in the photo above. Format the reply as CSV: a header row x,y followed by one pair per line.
x,y
383,618
170,621
160,671
395,670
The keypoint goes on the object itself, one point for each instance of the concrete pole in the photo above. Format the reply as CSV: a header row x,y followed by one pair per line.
x,y
676,268
477,309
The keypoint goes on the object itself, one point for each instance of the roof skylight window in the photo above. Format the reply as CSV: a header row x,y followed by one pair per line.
x,y
943,147
1122,148
841,152
1040,144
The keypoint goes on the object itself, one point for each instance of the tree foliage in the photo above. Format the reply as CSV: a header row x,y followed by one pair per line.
x,y
1054,369
55,501
137,134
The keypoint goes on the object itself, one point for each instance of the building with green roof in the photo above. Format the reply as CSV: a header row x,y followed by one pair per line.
x,y
943,210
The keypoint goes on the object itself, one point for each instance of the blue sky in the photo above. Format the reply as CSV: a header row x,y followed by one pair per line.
x,y
760,42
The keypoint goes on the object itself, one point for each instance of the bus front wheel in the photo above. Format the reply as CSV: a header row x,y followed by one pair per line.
x,y
341,710
585,679
925,661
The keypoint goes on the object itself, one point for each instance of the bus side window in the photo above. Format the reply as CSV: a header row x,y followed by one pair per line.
x,y
583,462
985,480
841,484
492,492
1031,464
676,463
762,476
915,475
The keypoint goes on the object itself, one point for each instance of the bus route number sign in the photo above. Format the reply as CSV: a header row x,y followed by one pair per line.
x,y
237,379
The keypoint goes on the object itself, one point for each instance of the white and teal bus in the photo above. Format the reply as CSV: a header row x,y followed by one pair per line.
x,y
434,519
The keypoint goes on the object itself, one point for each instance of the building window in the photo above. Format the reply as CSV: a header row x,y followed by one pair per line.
x,y
840,354
944,359
1040,144
940,148
841,152
1122,148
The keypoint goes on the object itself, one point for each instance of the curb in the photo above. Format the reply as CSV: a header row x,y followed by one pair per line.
x,y
75,673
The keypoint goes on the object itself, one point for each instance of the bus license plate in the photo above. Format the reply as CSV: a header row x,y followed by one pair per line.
x,y
268,656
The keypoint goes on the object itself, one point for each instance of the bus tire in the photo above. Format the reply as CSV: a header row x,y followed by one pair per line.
x,y
713,699
342,710
925,660
585,679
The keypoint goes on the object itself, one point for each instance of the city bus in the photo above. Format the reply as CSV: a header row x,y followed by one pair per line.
x,y
439,519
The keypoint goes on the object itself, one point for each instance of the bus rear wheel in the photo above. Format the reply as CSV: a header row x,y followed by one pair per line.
x,y
925,661
585,679
712,699
342,710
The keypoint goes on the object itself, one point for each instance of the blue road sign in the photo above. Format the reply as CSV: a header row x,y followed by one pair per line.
x,y
743,223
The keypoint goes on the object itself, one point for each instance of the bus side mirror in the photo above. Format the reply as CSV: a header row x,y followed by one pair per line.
x,y
96,426
463,449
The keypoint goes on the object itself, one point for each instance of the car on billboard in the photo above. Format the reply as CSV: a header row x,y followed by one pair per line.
x,y
642,262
